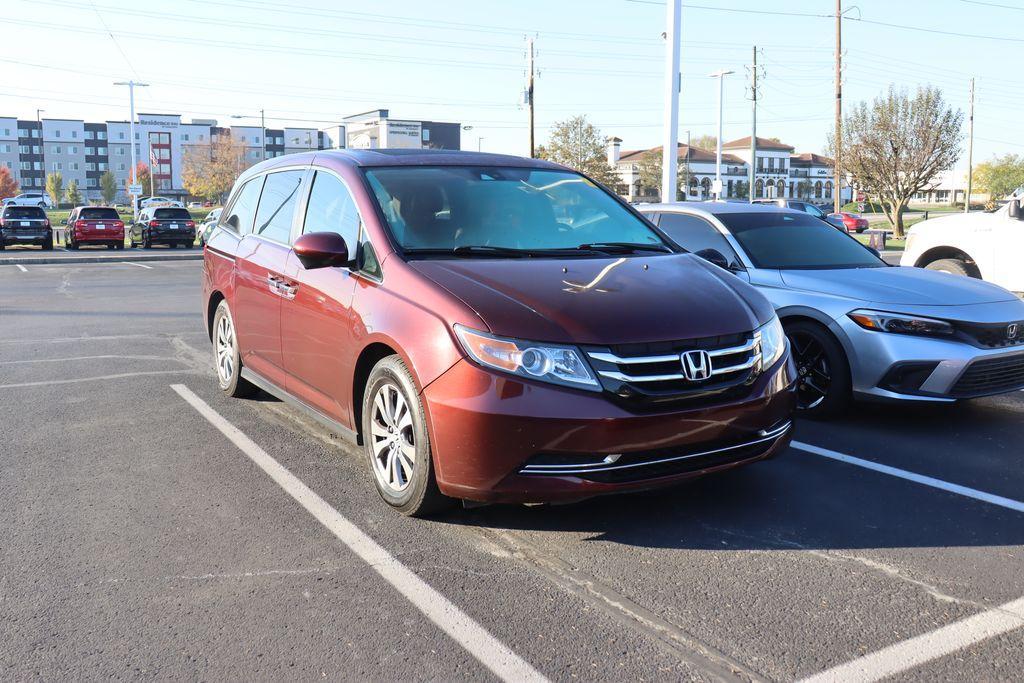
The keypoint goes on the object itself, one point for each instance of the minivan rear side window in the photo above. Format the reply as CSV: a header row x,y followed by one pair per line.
x,y
331,208
98,213
277,205
243,209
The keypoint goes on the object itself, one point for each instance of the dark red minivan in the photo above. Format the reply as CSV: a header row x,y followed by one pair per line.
x,y
489,328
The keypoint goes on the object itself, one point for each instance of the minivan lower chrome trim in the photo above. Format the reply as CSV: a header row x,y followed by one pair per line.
x,y
604,465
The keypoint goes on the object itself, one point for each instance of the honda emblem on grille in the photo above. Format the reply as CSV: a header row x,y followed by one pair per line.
x,y
1011,331
696,365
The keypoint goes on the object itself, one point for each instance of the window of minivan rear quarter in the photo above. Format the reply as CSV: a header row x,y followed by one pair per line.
x,y
277,206
242,212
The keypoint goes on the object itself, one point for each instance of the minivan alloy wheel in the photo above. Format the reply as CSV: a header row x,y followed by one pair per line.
x,y
393,441
225,341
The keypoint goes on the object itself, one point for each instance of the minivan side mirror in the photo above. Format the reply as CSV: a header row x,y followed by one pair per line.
x,y
1014,209
321,250
714,256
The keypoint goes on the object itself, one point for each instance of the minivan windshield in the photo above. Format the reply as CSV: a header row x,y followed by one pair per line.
x,y
788,239
478,211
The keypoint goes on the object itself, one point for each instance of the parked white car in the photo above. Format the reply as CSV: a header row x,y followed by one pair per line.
x,y
989,246
159,202
30,199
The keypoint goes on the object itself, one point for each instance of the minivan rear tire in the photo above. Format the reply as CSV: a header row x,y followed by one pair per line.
x,y
420,496
229,368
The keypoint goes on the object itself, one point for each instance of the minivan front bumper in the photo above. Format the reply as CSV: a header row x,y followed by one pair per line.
x,y
497,438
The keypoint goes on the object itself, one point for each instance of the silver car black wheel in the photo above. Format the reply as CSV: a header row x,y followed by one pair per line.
x,y
392,439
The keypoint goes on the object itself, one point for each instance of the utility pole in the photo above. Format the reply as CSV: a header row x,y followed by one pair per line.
x,y
970,153
837,202
670,133
529,97
754,122
720,75
131,137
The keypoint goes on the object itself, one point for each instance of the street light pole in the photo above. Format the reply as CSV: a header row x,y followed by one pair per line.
x,y
42,150
670,141
131,137
720,75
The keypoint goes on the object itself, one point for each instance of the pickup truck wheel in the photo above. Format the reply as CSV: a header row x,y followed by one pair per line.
x,y
823,372
396,442
226,356
953,266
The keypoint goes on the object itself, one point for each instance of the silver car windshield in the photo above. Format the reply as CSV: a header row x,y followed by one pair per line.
x,y
791,240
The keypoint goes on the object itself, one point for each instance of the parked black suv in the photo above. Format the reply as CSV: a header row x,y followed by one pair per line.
x,y
163,225
25,225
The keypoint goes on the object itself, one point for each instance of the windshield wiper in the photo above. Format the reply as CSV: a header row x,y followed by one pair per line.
x,y
623,247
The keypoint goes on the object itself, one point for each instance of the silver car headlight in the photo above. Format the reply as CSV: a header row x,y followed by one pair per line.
x,y
545,362
880,321
772,341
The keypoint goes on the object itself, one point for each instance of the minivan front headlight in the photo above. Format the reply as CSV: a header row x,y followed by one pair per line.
x,y
545,362
773,342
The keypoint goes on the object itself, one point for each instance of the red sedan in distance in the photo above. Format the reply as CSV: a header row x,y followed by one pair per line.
x,y
851,221
489,328
94,225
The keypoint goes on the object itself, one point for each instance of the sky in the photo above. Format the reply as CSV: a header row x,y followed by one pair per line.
x,y
313,62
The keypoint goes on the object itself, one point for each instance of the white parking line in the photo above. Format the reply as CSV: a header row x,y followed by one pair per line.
x,y
487,649
1008,503
21,268
927,647
99,378
77,358
140,265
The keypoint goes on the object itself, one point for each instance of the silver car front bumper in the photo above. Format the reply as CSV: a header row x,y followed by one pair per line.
x,y
960,369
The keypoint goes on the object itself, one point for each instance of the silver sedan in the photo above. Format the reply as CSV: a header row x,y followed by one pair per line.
x,y
858,327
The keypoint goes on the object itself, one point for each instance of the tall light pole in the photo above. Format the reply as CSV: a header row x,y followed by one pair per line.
x,y
131,136
670,134
42,150
720,75
970,154
837,201
529,98
263,135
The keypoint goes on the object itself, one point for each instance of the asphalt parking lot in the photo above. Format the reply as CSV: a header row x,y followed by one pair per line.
x,y
154,528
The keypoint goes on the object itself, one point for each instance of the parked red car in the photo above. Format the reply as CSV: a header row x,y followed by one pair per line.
x,y
851,221
94,225
489,328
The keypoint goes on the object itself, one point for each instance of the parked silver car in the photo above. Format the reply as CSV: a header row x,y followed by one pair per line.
x,y
857,326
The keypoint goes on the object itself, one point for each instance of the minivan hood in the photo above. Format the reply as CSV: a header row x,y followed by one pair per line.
x,y
896,285
602,301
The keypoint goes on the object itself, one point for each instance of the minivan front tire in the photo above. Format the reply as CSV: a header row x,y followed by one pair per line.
x,y
226,358
396,442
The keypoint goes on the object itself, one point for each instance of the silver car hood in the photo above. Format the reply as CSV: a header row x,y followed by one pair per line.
x,y
897,285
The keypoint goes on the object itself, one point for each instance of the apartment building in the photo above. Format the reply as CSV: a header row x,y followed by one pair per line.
x,y
83,151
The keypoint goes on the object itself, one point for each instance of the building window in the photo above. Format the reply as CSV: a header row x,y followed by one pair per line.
x,y
120,167
101,135
120,151
120,135
56,133
817,190
74,165
184,137
89,166
102,166
56,149
102,151
201,137
828,190
759,188
73,149
57,166
780,188
74,133
90,135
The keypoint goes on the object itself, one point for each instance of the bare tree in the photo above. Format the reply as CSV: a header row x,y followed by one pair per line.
x,y
898,146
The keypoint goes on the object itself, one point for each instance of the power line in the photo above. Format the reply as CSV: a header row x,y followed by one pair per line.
x,y
113,39
993,4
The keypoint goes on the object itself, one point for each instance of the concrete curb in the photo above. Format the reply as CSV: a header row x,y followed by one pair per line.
x,y
71,260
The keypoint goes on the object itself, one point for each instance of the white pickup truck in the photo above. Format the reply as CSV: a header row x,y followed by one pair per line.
x,y
989,246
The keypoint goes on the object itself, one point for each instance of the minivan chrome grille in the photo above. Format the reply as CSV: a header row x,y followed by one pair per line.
x,y
654,373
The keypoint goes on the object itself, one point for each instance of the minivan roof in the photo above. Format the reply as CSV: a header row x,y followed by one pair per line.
x,y
403,157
